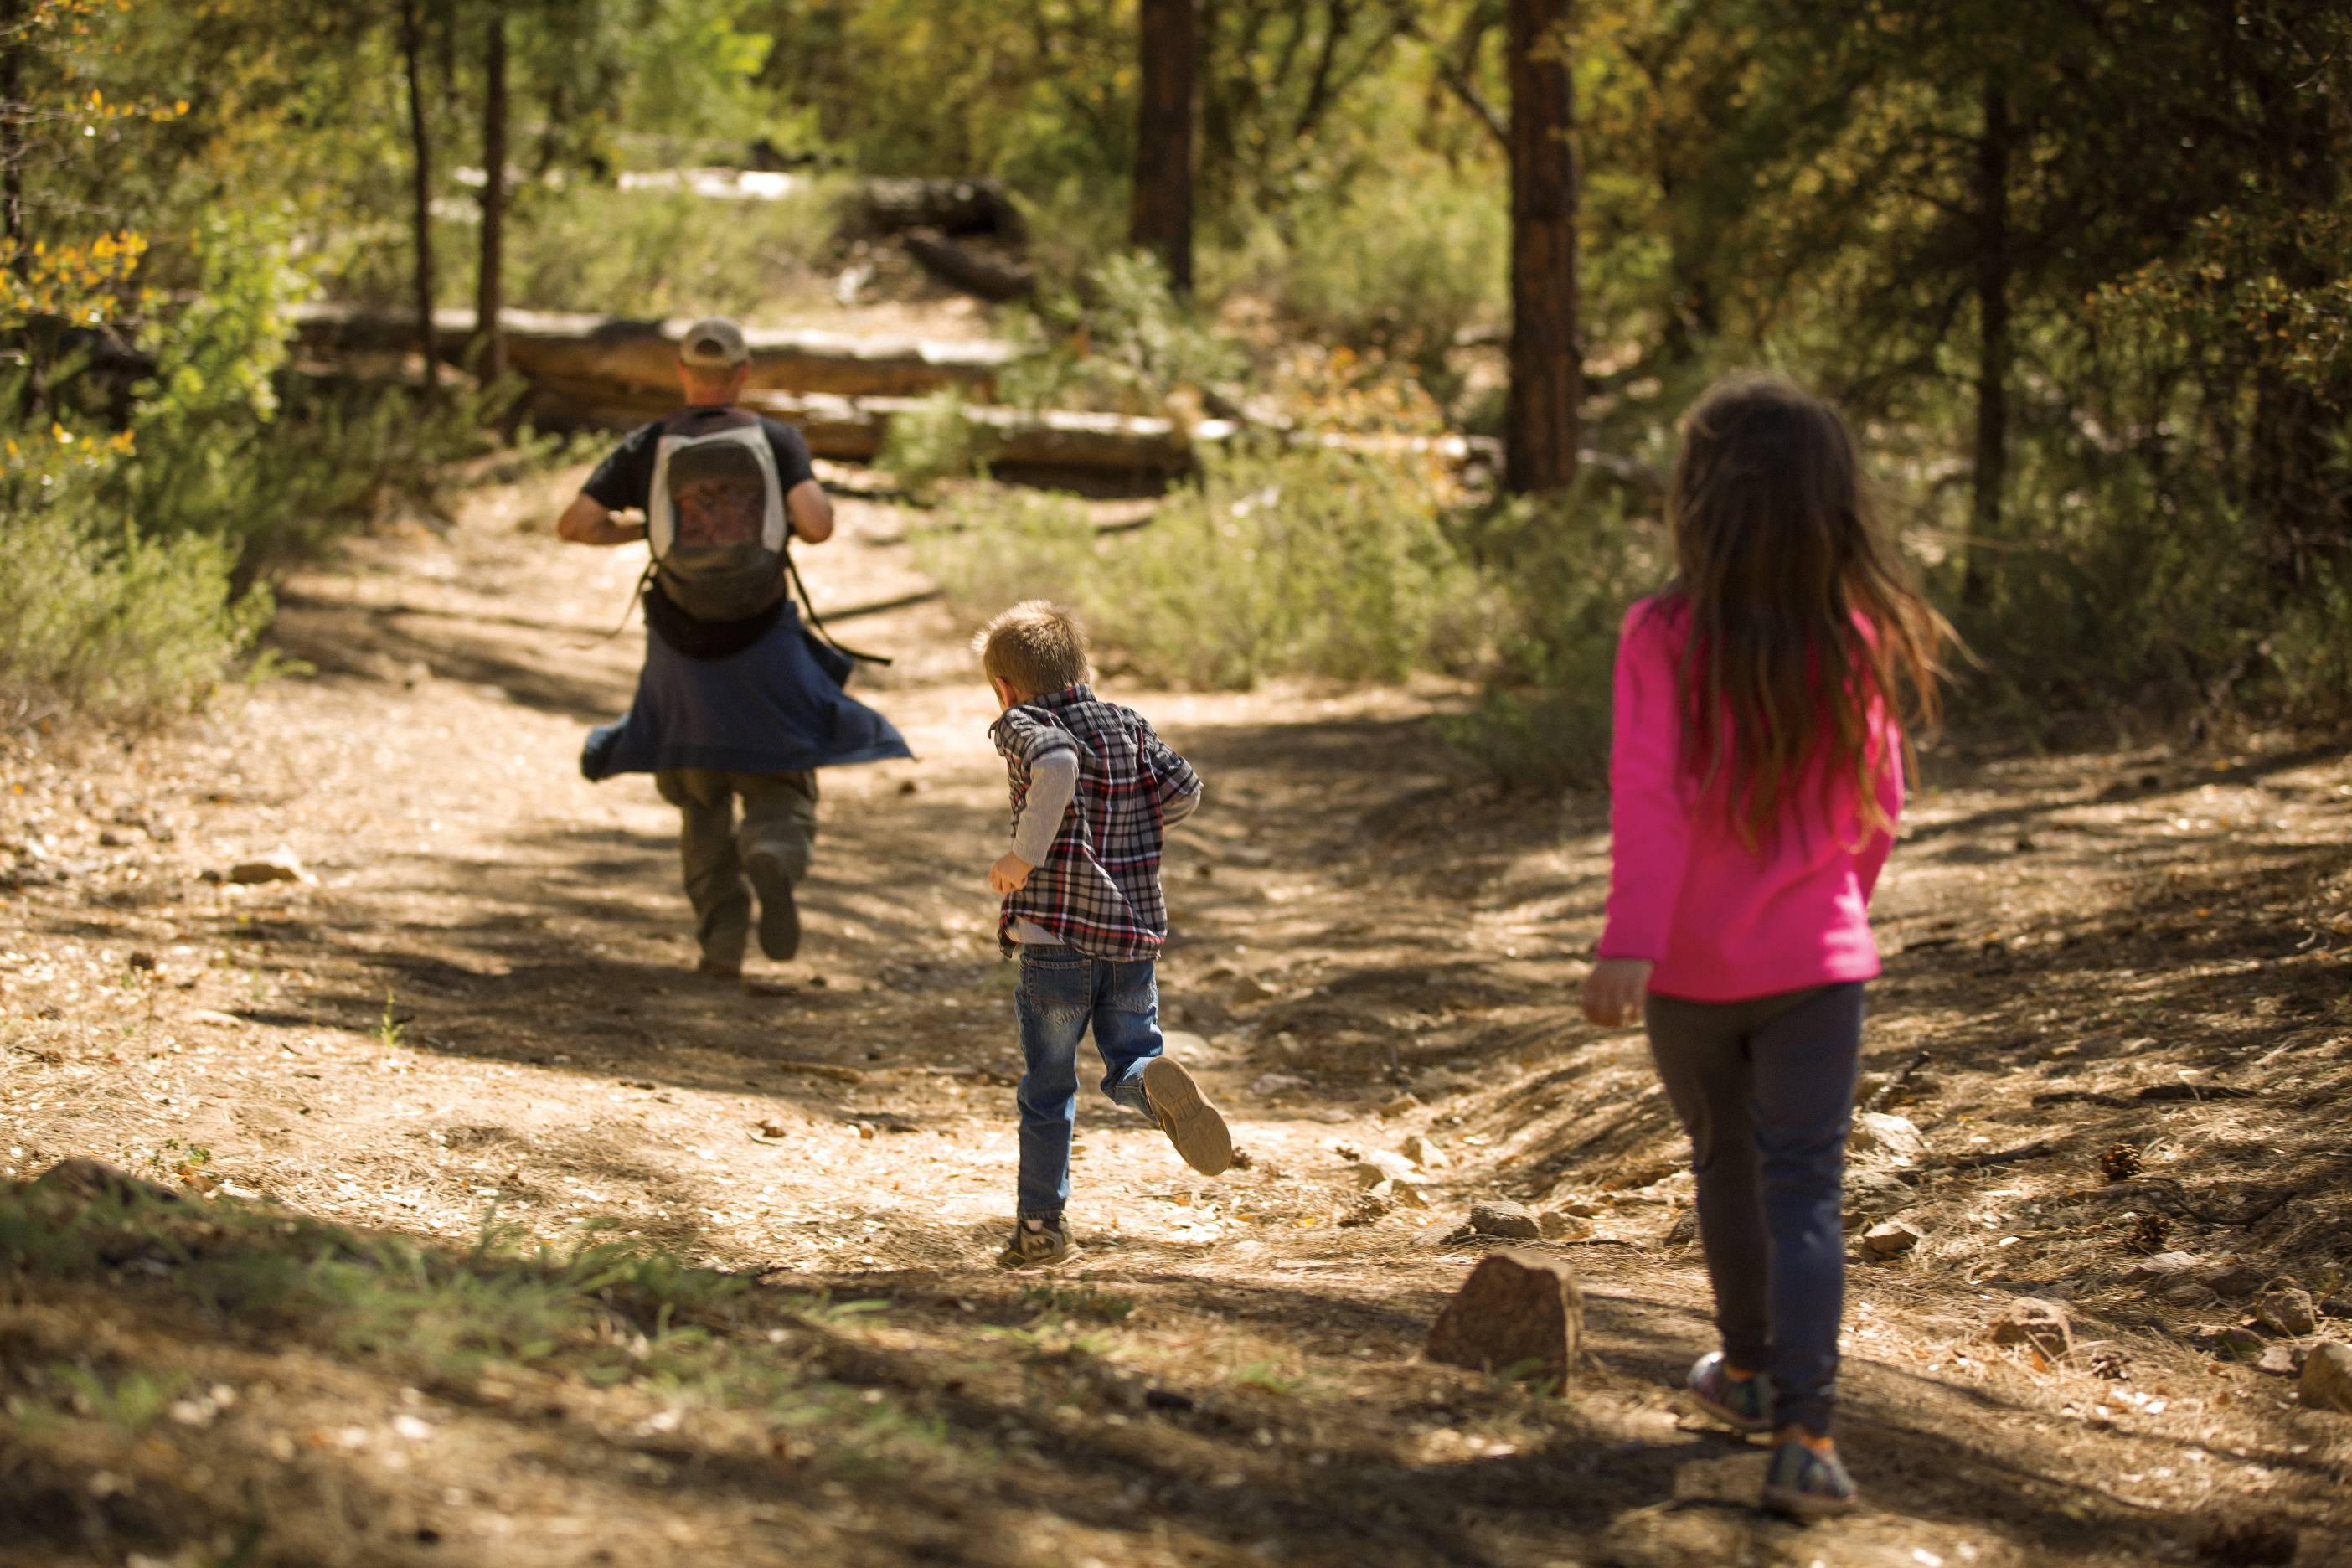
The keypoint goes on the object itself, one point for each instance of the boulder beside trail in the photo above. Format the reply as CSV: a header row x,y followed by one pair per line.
x,y
1504,1220
1518,1313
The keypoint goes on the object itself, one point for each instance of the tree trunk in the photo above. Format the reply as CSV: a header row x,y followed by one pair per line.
x,y
1161,218
14,46
489,294
412,46
1996,348
1546,365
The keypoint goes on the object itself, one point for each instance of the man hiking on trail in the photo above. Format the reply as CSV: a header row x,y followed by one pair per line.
x,y
736,699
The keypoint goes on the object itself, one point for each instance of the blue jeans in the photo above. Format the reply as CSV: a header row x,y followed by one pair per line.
x,y
1764,1089
1061,992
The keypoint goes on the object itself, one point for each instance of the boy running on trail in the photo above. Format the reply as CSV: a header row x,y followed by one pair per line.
x,y
736,701
1094,790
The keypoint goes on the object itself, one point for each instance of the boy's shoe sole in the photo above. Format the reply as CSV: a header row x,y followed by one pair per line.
x,y
779,917
1184,1113
1806,1505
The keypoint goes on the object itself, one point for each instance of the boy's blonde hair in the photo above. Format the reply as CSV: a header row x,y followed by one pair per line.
x,y
1034,647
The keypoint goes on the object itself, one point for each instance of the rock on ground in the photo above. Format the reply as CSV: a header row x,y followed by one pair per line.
x,y
2037,1322
2288,1311
1893,1139
1505,1220
1517,1313
2327,1379
1891,1240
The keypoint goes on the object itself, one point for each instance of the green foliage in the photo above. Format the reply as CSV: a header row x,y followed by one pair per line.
x,y
1312,560
934,442
104,620
1401,262
1117,340
1566,568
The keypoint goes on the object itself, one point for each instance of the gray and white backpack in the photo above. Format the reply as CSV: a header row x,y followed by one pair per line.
x,y
716,517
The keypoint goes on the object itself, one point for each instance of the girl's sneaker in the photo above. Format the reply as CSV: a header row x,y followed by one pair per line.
x,y
1803,1484
1037,1242
1745,1403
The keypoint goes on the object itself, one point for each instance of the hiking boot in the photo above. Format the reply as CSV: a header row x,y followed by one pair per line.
x,y
711,969
779,917
1745,1403
1803,1484
1038,1241
1185,1114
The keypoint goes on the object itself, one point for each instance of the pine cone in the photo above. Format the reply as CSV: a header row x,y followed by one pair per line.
x,y
2120,1162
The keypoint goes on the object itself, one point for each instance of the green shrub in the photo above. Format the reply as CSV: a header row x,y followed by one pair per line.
x,y
1118,341
932,442
1401,261
105,621
1565,570
1305,561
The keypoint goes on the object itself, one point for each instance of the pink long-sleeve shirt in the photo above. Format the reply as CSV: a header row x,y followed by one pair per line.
x,y
1724,923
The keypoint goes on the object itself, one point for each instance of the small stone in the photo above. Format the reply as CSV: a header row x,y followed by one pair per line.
x,y
1682,1231
1402,1105
2239,1344
1560,1225
2327,1382
2037,1322
1423,1152
1889,1239
2234,1281
278,866
864,1128
1517,1313
2280,1360
2288,1311
1269,1085
1505,1220
144,962
1873,1196
2163,1266
1882,1135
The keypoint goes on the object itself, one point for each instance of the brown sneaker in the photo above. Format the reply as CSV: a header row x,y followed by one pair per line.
x,y
1184,1113
711,969
779,917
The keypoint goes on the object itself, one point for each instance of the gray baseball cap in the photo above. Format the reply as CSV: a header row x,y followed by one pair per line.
x,y
714,342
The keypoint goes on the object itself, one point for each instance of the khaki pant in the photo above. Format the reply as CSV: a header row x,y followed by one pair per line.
x,y
779,817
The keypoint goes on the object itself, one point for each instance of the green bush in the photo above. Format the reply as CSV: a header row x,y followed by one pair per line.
x,y
932,442
1565,569
1306,561
1118,341
595,248
1400,261
105,621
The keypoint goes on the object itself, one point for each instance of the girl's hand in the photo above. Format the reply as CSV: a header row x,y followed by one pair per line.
x,y
1613,991
1010,875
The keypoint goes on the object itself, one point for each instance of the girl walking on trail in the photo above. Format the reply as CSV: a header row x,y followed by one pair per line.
x,y
1756,776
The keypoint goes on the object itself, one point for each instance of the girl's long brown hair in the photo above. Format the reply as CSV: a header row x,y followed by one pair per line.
x,y
1776,557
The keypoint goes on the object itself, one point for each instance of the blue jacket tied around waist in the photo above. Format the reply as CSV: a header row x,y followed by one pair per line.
x,y
769,709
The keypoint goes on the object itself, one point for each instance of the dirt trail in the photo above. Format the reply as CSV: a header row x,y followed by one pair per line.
x,y
483,999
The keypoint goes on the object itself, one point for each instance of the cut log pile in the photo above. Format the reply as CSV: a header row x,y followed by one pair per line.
x,y
842,391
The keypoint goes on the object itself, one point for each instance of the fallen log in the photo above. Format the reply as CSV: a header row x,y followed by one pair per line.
x,y
548,347
961,266
950,206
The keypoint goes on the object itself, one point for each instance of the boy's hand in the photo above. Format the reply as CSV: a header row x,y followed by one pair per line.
x,y
1613,991
1011,874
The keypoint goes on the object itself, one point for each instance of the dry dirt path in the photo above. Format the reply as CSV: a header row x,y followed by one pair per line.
x,y
480,1005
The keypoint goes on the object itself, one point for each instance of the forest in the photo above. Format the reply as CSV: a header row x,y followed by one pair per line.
x,y
2080,268
395,1168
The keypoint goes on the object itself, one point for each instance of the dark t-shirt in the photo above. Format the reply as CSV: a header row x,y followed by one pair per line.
x,y
624,482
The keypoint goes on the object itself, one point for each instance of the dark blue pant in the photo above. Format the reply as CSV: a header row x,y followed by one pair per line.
x,y
1764,1089
1063,991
